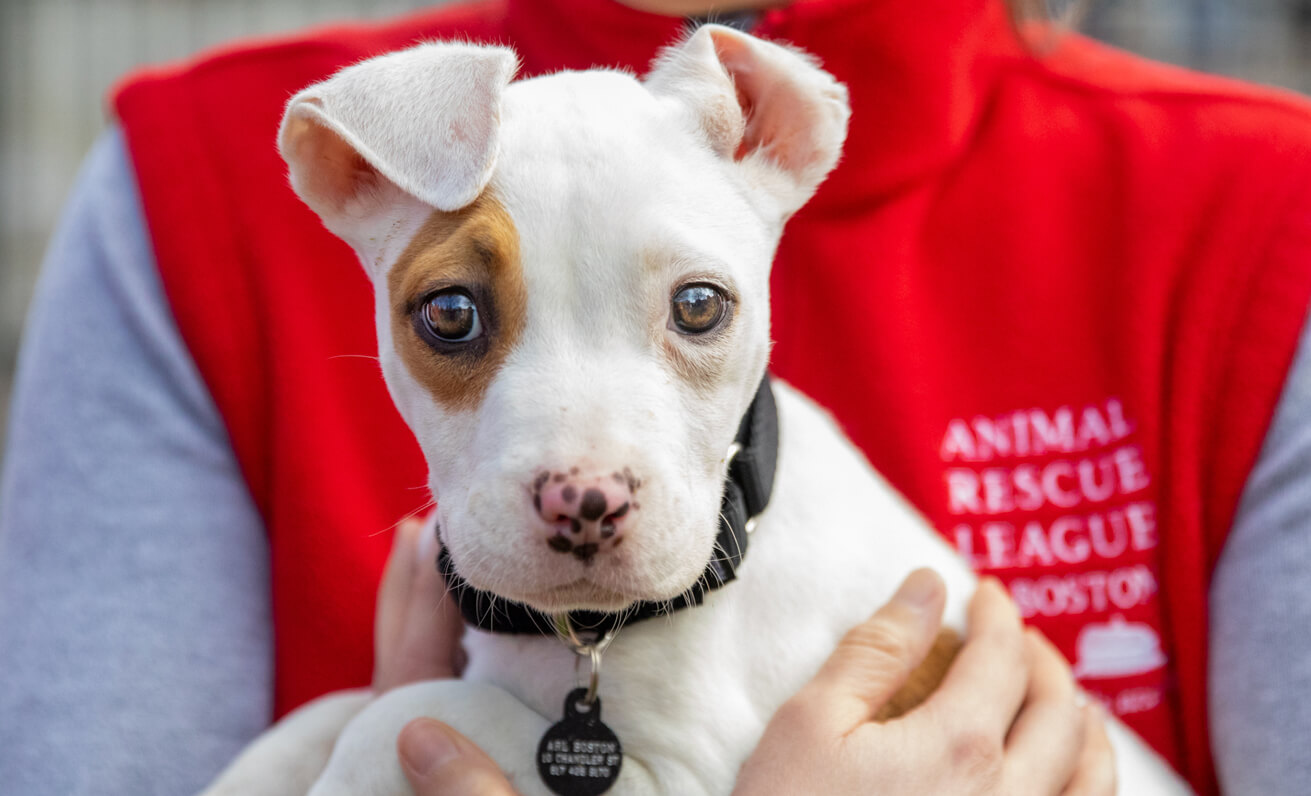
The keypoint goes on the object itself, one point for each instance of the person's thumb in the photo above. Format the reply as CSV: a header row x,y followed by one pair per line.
x,y
876,657
438,761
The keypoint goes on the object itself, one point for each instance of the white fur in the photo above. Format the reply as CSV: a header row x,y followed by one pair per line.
x,y
620,192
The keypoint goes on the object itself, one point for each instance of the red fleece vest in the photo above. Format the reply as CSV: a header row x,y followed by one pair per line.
x,y
1053,299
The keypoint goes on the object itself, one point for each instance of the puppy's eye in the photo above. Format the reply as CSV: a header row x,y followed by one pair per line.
x,y
451,316
696,309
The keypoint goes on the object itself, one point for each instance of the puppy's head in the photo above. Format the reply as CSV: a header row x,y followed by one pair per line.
x,y
571,277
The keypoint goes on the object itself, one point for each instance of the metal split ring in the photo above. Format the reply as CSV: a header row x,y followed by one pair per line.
x,y
592,650
594,681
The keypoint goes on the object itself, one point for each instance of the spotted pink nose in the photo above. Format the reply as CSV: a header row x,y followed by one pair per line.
x,y
586,513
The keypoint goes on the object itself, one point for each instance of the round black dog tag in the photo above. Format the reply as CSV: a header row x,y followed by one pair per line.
x,y
578,755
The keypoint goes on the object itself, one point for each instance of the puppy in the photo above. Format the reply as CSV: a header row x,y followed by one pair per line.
x,y
572,299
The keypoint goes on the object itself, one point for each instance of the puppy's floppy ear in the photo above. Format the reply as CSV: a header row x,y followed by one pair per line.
x,y
424,121
770,108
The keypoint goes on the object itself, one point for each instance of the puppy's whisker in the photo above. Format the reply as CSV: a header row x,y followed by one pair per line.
x,y
395,526
356,356
724,521
488,617
416,513
545,631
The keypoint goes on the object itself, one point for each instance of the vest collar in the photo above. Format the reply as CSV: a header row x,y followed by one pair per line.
x,y
750,482
920,74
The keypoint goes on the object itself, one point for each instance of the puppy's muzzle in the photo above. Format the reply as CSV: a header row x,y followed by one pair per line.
x,y
586,513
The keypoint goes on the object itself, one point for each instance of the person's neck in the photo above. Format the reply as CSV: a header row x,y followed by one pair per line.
x,y
919,73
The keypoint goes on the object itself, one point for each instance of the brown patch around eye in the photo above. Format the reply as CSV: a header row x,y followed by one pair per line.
x,y
475,248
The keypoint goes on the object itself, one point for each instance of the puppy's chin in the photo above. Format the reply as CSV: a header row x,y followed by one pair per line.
x,y
552,582
581,595
584,594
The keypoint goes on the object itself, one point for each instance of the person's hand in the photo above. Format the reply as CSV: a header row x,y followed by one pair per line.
x,y
1007,718
417,637
438,761
418,626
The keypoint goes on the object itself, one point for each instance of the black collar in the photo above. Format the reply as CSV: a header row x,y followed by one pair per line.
x,y
746,493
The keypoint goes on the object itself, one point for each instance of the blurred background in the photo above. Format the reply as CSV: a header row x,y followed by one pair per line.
x,y
59,57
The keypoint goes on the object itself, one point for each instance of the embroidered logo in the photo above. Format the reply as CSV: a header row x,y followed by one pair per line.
x,y
1060,503
1117,649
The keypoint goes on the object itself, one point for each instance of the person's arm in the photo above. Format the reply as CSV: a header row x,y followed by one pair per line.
x,y
135,642
1260,666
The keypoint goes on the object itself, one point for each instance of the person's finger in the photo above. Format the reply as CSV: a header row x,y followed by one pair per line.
x,y
987,682
393,597
438,761
876,657
433,626
1095,773
1045,743
425,644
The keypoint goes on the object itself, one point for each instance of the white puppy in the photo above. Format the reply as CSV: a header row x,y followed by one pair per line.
x,y
572,298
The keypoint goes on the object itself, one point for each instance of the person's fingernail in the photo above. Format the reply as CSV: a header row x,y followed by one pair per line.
x,y
426,746
405,531
920,590
401,533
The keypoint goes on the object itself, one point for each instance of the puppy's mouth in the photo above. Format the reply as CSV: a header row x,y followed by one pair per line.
x,y
559,584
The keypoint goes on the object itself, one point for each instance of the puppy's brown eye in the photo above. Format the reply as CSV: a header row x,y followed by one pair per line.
x,y
696,309
452,317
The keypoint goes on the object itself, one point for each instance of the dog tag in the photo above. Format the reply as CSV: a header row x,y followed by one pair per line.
x,y
579,755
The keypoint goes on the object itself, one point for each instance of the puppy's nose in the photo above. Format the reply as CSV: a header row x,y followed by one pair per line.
x,y
586,513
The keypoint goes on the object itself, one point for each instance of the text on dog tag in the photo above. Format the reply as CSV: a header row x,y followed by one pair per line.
x,y
579,755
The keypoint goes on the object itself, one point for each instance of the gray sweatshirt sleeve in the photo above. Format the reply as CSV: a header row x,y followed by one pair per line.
x,y
135,642
1260,667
